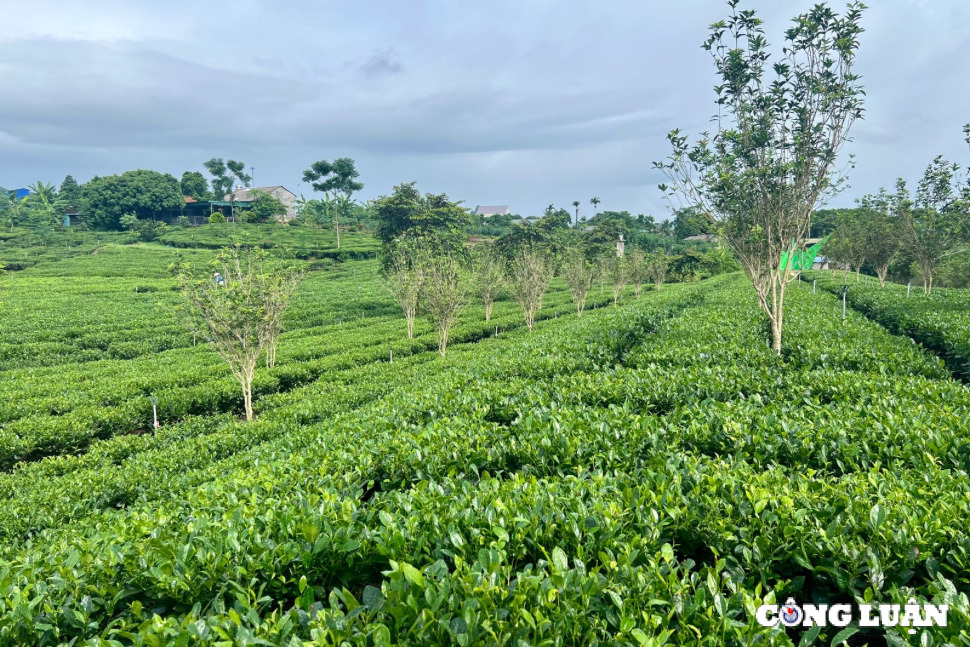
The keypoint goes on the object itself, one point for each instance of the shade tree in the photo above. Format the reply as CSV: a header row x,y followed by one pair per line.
x,y
779,130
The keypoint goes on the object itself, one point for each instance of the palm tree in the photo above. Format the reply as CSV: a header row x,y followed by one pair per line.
x,y
596,203
576,204
45,205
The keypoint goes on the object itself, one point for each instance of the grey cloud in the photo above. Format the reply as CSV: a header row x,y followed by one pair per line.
x,y
380,63
505,102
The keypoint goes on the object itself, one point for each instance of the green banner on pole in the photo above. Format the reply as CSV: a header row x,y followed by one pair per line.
x,y
801,260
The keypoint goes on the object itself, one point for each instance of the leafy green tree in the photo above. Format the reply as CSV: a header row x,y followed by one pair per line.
x,y
530,276
617,270
70,191
313,212
225,174
434,221
337,178
194,185
488,277
403,277
638,270
443,288
263,208
936,223
689,265
847,244
224,177
771,160
13,210
45,207
825,221
656,268
881,235
579,275
147,230
692,222
600,241
240,314
142,192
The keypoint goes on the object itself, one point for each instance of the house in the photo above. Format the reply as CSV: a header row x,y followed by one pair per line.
x,y
498,210
820,263
707,238
281,193
72,217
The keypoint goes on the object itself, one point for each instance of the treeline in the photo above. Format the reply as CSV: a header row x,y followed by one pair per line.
x,y
428,265
901,235
133,200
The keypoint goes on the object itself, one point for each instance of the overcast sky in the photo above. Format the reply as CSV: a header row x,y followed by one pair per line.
x,y
499,102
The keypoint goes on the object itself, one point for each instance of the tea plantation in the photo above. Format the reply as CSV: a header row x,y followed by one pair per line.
x,y
645,475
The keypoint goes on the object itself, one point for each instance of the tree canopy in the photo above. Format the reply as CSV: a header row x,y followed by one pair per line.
x,y
435,221
195,186
144,193
780,128
70,191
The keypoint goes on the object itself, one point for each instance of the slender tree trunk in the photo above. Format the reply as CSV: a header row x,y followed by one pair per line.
x,y
488,310
881,272
336,223
247,387
409,315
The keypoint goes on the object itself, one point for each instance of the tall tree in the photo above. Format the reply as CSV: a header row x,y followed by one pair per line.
x,y
638,270
403,277
489,276
242,313
691,222
579,276
935,224
13,209
443,290
657,265
617,269
881,231
576,207
771,160
847,244
45,207
142,192
70,191
334,178
224,178
530,278
194,185
595,201
434,221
